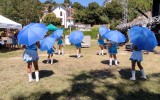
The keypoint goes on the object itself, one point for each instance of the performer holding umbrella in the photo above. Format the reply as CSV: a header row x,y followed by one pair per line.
x,y
29,37
76,38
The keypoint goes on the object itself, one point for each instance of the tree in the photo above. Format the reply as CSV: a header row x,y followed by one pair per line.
x,y
77,6
51,18
67,2
22,11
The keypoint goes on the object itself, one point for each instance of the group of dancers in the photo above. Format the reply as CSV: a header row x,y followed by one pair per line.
x,y
30,56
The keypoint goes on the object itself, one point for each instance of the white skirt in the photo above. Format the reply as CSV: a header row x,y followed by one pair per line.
x,y
136,56
30,55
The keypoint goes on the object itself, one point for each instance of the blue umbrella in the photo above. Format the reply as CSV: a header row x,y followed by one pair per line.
x,y
32,33
58,33
115,36
76,37
47,43
143,38
103,30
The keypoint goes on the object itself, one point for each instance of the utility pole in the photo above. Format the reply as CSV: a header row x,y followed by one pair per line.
x,y
125,11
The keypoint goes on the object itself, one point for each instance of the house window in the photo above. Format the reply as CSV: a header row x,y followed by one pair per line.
x,y
60,13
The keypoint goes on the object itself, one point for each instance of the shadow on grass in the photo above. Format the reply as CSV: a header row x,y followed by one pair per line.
x,y
74,56
5,50
107,62
126,74
43,73
54,61
85,85
101,55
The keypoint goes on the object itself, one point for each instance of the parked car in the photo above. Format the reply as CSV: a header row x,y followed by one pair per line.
x,y
128,46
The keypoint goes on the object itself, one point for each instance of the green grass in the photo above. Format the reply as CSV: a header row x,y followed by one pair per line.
x,y
87,78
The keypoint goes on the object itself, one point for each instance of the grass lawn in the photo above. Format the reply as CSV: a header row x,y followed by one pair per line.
x,y
87,78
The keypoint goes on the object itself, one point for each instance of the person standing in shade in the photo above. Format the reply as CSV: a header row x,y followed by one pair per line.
x,y
100,44
78,46
30,56
60,44
136,57
112,50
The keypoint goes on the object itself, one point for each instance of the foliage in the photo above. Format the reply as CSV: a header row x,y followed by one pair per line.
x,y
77,6
51,18
22,11
93,34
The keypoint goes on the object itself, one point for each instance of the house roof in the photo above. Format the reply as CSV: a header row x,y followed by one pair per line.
x,y
59,6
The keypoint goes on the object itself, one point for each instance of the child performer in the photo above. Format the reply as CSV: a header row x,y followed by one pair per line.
x,y
136,57
60,44
112,50
78,46
50,54
100,44
30,56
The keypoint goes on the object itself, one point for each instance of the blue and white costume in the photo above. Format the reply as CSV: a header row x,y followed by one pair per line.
x,y
113,48
60,42
50,51
136,56
78,45
100,41
30,54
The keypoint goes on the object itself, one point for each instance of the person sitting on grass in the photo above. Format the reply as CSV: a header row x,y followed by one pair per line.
x,y
136,57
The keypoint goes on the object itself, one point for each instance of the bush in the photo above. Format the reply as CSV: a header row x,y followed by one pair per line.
x,y
93,34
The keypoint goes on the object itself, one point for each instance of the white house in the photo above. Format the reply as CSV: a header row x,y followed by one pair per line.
x,y
65,15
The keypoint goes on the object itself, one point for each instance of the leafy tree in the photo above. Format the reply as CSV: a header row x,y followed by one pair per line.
x,y
51,18
67,2
22,11
77,6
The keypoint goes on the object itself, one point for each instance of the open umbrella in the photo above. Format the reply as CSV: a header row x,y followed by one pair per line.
x,y
32,33
115,36
58,33
103,30
47,43
51,27
76,37
143,38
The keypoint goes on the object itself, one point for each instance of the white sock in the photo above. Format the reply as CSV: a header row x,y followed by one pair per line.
x,y
116,62
99,52
62,52
110,61
48,60
30,77
133,75
102,52
143,74
51,61
37,75
59,52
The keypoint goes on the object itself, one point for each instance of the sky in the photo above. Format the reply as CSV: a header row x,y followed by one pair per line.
x,y
82,2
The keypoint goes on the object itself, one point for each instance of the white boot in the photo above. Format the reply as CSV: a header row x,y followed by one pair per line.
x,y
59,52
37,76
99,53
48,60
30,77
110,61
51,61
143,74
102,52
133,75
62,52
116,62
